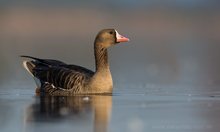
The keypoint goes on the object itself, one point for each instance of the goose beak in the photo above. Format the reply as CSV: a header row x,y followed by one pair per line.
x,y
120,38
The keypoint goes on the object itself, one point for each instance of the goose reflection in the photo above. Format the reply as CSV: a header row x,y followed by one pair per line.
x,y
74,109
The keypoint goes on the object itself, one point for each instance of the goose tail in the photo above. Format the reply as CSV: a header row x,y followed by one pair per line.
x,y
29,66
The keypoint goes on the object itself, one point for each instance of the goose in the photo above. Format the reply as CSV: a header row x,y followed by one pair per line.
x,y
56,78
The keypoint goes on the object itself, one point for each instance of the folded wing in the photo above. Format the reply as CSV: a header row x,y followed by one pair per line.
x,y
57,73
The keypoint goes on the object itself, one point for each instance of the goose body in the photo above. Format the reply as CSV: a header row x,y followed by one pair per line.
x,y
54,77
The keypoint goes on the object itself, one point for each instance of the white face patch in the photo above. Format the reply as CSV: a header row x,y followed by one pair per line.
x,y
117,35
120,38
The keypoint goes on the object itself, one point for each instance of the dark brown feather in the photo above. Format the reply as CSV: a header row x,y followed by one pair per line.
x,y
58,73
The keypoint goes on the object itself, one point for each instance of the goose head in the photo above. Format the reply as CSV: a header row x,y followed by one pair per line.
x,y
108,37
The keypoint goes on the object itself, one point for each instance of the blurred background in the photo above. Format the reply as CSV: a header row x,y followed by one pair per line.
x,y
174,44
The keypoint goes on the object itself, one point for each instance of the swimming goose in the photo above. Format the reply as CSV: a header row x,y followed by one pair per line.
x,y
55,78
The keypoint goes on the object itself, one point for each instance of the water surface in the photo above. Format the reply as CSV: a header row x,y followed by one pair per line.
x,y
123,111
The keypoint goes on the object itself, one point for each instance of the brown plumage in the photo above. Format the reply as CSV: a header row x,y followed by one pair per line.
x,y
58,78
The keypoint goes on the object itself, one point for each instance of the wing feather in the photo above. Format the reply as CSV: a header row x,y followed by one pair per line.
x,y
59,74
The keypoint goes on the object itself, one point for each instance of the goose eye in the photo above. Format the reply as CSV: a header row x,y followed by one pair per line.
x,y
111,32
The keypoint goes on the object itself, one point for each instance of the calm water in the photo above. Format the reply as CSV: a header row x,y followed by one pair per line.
x,y
154,111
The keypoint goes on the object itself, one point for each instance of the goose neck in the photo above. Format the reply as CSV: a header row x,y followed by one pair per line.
x,y
101,58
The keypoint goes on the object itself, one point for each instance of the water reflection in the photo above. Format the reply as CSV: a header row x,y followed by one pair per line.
x,y
75,110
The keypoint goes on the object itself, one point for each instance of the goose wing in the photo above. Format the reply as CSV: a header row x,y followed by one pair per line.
x,y
51,62
61,77
58,73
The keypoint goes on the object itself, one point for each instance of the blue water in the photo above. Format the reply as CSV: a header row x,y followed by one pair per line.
x,y
126,110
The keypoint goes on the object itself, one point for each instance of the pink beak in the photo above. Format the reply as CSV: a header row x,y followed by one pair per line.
x,y
121,38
